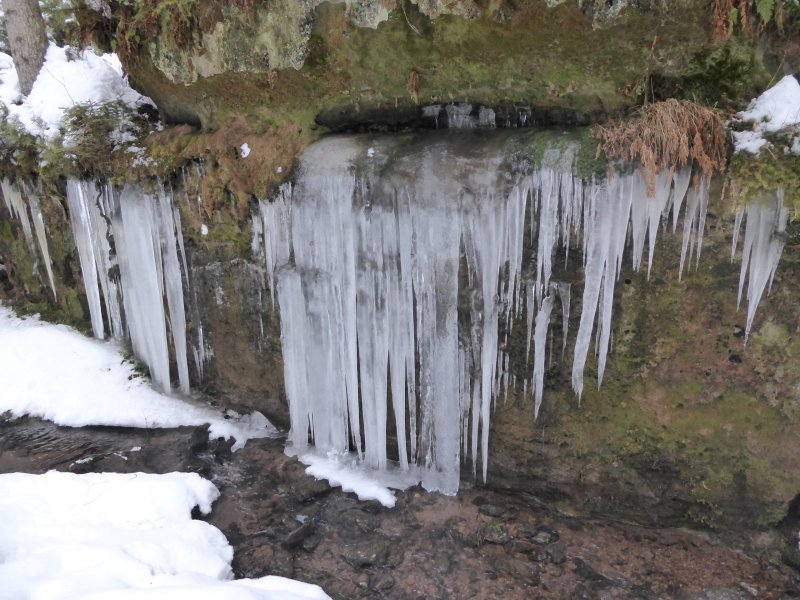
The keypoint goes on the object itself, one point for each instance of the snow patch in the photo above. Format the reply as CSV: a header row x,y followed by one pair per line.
x,y
774,110
125,536
55,373
67,78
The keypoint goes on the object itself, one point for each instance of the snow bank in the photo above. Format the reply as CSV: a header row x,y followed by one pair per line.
x,y
774,110
55,373
128,536
67,78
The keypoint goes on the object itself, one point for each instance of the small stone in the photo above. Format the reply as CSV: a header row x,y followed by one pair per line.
x,y
598,580
382,582
717,594
308,489
372,553
544,536
311,542
372,507
749,588
491,510
555,553
295,539
520,547
442,563
495,534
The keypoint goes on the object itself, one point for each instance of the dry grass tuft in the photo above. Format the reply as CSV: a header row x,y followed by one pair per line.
x,y
667,135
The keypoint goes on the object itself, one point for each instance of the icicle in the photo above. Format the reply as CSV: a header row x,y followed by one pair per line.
x,y
90,214
702,191
548,230
394,280
737,228
694,224
530,309
276,220
147,242
171,240
82,229
139,261
607,220
655,208
681,180
41,235
763,246
459,116
539,346
17,206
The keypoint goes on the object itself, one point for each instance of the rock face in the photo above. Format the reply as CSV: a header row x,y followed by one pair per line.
x,y
379,54
692,425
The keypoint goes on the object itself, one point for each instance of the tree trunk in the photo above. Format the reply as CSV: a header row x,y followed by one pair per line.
x,y
27,39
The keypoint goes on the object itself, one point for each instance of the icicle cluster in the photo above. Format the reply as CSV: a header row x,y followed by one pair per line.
x,y
19,202
140,233
90,212
763,245
397,293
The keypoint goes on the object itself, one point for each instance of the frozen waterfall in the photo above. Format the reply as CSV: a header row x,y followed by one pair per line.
x,y
400,269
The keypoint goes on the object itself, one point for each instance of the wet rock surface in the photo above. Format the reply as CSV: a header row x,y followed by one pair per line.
x,y
480,544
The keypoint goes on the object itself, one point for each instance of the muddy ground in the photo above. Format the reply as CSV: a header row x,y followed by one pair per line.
x,y
480,544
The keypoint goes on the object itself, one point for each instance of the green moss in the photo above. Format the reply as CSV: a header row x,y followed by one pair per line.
x,y
756,178
19,150
537,56
723,75
576,145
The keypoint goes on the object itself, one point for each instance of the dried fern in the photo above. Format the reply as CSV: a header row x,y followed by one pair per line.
x,y
667,135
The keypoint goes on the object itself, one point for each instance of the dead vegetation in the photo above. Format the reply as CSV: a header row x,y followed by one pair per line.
x,y
666,135
751,17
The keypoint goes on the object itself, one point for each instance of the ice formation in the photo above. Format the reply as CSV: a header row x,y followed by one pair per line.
x,y
399,282
145,299
18,205
91,212
762,248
